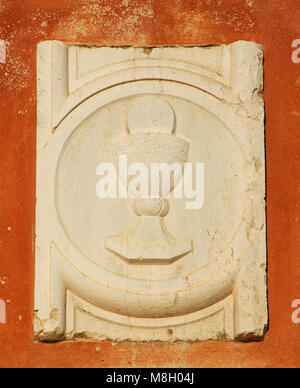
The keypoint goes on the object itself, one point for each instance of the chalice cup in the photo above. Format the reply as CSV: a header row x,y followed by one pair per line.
x,y
150,144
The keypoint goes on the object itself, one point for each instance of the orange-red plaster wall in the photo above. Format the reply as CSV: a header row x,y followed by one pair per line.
x,y
273,23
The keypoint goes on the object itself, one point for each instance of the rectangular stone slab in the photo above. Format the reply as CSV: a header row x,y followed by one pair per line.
x,y
163,270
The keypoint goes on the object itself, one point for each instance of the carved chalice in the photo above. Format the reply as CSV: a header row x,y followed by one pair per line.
x,y
151,140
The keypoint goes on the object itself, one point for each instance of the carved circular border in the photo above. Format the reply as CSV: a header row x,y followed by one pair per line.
x,y
167,300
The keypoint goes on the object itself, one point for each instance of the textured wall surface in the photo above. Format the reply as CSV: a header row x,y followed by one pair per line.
x,y
275,25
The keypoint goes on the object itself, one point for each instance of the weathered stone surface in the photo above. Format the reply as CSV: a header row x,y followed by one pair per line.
x,y
181,274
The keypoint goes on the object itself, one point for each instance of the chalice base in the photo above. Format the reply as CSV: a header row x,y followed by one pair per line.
x,y
149,240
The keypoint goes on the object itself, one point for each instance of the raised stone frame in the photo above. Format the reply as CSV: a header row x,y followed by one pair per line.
x,y
217,289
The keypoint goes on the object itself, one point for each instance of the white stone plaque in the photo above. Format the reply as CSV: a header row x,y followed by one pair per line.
x,y
150,216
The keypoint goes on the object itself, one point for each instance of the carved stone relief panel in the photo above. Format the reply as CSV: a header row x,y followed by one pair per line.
x,y
123,253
